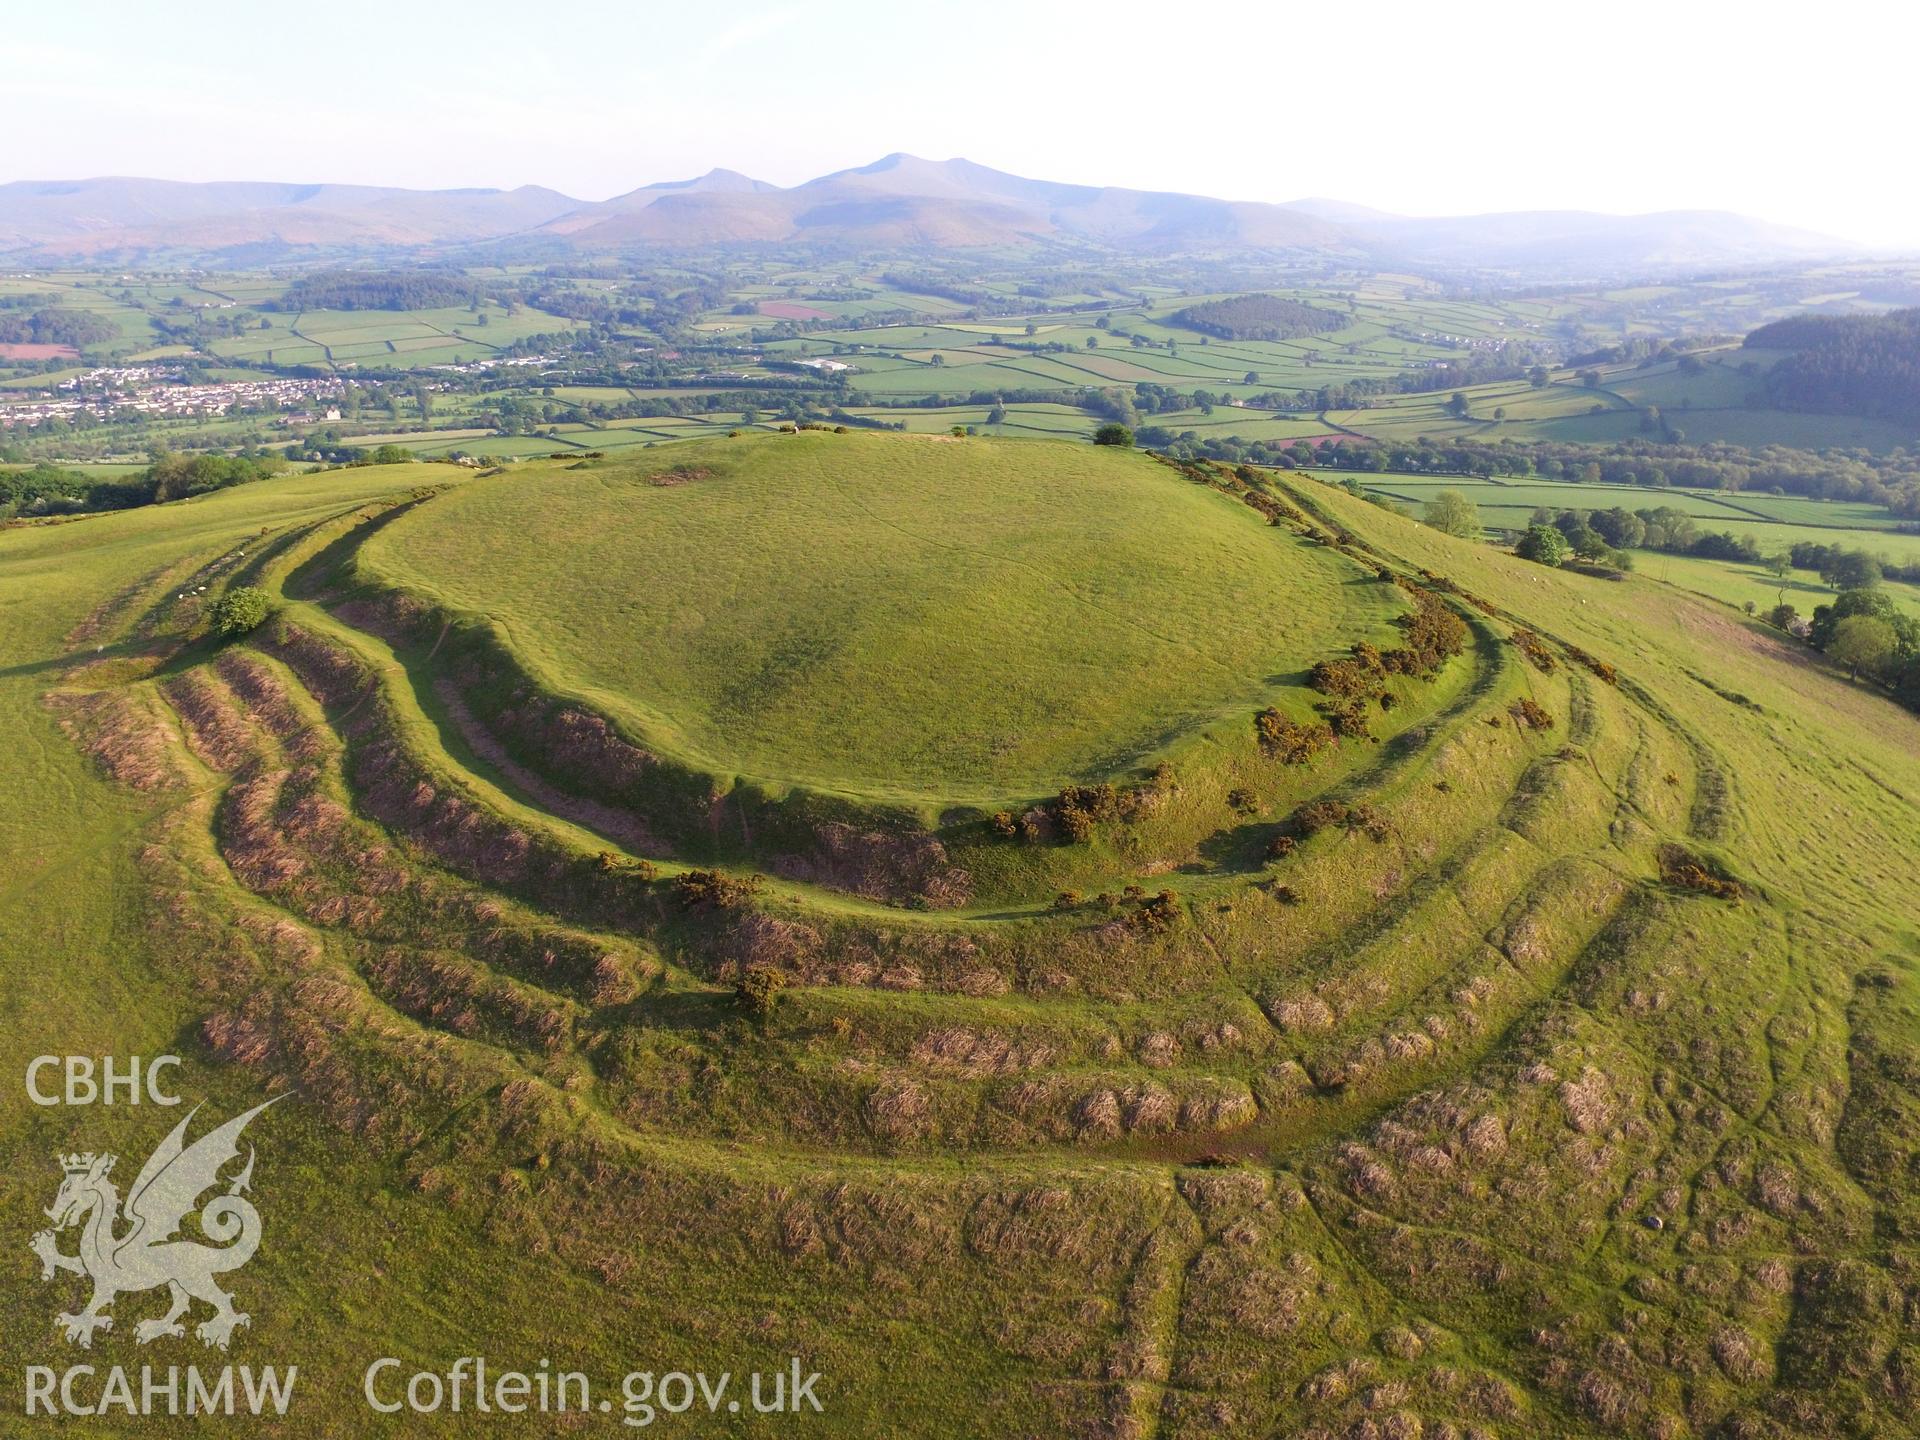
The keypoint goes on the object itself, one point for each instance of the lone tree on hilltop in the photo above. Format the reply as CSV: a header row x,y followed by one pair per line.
x,y
1114,435
1453,513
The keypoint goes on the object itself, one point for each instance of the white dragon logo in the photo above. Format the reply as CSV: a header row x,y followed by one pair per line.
x,y
146,1255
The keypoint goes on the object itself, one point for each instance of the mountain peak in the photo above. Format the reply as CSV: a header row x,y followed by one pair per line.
x,y
716,179
901,163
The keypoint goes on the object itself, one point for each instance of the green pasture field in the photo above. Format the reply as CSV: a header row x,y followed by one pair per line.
x,y
602,394
386,339
1736,584
415,439
41,381
1789,517
101,468
506,446
1772,536
1241,424
1022,418
1718,385
1804,510
1530,493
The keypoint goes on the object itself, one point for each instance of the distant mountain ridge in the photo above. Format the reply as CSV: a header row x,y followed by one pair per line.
x,y
117,215
902,200
899,201
1665,239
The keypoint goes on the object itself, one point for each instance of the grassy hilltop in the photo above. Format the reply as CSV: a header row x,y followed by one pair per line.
x,y
1243,962
935,620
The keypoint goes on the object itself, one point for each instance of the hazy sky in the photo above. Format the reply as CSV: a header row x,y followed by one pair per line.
x,y
1802,114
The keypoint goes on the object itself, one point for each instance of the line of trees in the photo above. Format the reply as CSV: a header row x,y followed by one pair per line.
x,y
54,490
1607,534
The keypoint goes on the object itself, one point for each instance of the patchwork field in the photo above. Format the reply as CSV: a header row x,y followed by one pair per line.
x,y
552,352
1508,1032
386,340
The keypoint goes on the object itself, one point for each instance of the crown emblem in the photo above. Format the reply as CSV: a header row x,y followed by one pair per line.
x,y
80,1163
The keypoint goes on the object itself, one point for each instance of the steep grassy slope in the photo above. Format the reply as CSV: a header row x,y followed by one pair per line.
x,y
1358,1128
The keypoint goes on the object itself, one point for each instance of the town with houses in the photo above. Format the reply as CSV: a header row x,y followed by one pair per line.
x,y
166,392
162,392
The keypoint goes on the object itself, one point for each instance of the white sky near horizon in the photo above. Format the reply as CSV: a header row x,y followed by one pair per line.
x,y
1799,115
